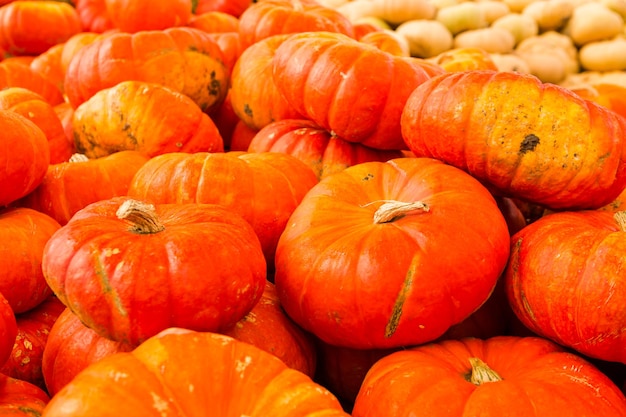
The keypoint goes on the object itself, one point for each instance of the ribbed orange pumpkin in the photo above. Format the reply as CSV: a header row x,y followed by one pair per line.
x,y
138,15
13,74
348,87
184,59
93,15
156,379
130,269
263,188
522,138
20,398
8,329
145,117
393,243
24,156
32,27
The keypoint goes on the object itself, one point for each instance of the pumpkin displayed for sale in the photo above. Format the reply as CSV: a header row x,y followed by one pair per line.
x,y
501,376
35,108
93,15
156,379
71,347
8,329
20,398
68,187
139,15
264,188
129,269
353,89
24,233
324,152
186,60
32,27
145,117
564,281
33,327
24,156
14,74
232,7
48,65
520,137
401,247
273,17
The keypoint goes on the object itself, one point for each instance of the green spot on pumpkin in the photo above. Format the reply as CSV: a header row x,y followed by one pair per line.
x,y
396,312
247,110
108,291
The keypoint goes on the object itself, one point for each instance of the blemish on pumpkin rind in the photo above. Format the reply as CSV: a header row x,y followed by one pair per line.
x,y
396,312
247,110
529,143
29,411
107,288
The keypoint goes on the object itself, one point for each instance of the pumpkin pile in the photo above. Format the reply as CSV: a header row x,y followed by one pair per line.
x,y
287,208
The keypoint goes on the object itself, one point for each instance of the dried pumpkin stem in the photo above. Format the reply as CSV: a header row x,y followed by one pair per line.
x,y
620,218
78,157
482,373
394,210
141,216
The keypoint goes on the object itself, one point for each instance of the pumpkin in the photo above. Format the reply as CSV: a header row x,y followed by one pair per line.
x,y
214,22
67,187
33,327
505,375
184,59
337,242
8,329
24,233
35,108
93,15
241,137
145,117
230,44
71,347
574,298
263,188
73,44
20,398
463,59
13,74
388,41
273,17
255,98
267,326
522,138
24,156
611,96
232,7
48,65
129,269
135,15
325,153
32,27
155,379
348,87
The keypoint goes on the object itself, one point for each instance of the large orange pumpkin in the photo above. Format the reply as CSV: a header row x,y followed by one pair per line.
x,y
184,59
20,398
14,74
407,248
502,376
136,15
522,138
24,156
183,373
130,269
348,87
145,117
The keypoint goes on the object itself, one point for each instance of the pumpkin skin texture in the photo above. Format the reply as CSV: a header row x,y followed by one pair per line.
x,y
20,398
33,27
417,291
99,263
263,188
24,156
139,15
232,7
348,87
259,384
70,348
184,59
14,74
564,281
48,65
273,17
24,233
8,329
436,381
325,153
35,108
67,187
522,138
145,117
25,361
93,15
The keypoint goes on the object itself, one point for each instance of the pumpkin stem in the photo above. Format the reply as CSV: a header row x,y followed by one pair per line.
x,y
394,210
620,218
141,216
78,157
482,373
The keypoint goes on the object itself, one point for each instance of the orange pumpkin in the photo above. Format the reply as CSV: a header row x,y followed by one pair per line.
x,y
20,398
48,65
93,15
8,329
214,22
139,15
158,373
465,59
13,74
145,117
